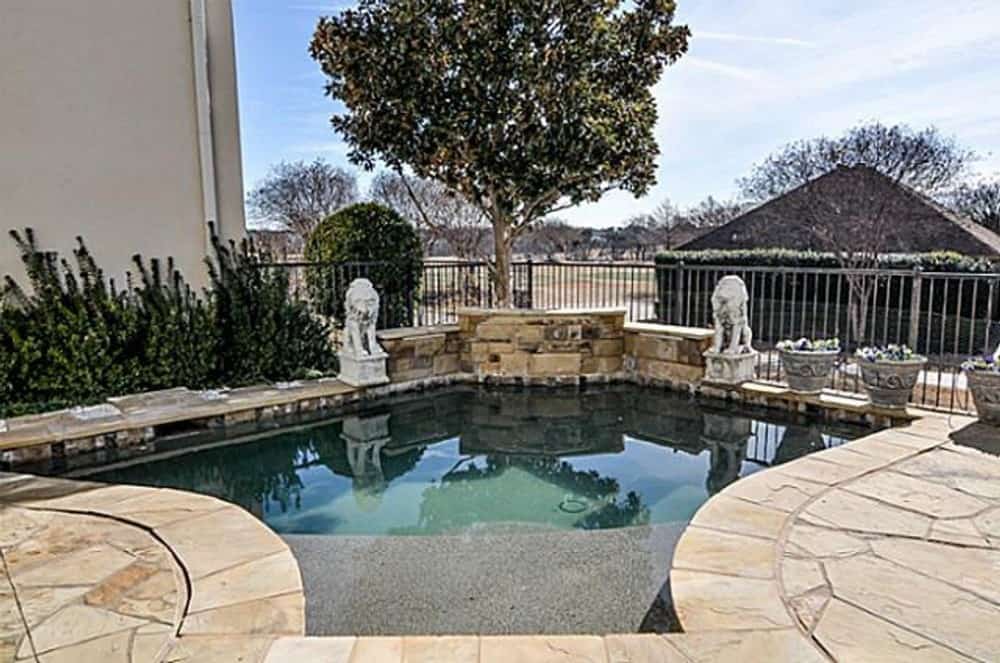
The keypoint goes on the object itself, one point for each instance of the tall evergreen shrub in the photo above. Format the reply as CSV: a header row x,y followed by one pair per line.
x,y
72,337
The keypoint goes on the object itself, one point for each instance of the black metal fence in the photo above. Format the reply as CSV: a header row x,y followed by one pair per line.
x,y
945,316
443,287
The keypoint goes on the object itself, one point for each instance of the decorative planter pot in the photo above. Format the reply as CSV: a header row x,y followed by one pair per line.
x,y
890,383
985,388
808,372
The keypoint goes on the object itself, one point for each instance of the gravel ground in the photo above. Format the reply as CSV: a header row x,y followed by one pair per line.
x,y
605,581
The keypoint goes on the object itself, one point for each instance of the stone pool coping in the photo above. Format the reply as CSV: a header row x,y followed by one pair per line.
x,y
759,574
885,548
131,424
235,578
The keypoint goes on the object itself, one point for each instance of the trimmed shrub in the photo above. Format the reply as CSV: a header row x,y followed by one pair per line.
x,y
73,338
939,261
371,241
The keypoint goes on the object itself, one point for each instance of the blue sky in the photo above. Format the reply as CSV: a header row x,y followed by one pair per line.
x,y
759,73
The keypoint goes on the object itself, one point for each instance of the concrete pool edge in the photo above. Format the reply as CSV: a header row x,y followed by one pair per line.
x,y
734,590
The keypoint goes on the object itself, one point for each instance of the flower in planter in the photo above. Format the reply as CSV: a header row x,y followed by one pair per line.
x,y
985,364
810,345
891,352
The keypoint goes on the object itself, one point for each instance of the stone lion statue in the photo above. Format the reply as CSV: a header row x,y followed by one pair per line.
x,y
361,313
729,312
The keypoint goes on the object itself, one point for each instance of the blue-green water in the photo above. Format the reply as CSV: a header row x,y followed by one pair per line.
x,y
470,460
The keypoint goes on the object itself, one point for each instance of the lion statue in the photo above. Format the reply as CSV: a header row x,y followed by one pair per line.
x,y
361,313
729,311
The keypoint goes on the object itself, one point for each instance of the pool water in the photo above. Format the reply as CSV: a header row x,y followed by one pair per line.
x,y
478,461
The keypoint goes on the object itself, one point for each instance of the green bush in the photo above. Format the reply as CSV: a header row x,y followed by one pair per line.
x,y
262,333
73,338
381,246
939,261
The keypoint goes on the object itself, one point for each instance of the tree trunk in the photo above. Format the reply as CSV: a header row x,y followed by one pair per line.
x,y
501,261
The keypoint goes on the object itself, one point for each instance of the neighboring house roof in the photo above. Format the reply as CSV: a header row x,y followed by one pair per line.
x,y
686,232
922,226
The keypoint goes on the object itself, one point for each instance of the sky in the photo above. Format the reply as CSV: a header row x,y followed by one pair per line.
x,y
758,74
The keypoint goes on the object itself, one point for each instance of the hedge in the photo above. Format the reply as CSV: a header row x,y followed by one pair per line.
x,y
939,261
72,338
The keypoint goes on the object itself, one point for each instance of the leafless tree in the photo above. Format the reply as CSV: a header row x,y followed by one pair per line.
x,y
853,213
441,215
924,160
668,226
279,244
712,213
979,202
553,238
298,195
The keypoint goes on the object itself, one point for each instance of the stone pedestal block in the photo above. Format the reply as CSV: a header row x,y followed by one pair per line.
x,y
363,370
730,369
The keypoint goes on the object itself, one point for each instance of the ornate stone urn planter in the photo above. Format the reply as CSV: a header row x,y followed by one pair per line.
x,y
983,377
985,388
889,374
808,364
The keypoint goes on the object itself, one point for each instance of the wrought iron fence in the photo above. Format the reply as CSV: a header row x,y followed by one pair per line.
x,y
945,316
445,286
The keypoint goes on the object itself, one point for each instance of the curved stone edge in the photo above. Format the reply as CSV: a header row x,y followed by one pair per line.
x,y
242,583
726,574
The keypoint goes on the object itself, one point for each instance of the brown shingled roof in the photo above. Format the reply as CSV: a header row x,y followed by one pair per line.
x,y
923,225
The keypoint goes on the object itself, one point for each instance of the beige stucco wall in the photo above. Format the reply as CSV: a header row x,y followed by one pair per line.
x,y
99,131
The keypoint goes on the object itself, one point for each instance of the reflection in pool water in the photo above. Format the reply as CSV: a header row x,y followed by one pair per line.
x,y
468,460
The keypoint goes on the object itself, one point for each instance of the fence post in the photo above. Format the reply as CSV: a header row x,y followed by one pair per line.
x,y
529,301
916,290
680,296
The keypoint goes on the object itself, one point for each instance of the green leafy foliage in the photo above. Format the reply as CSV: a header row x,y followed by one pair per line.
x,y
71,337
939,261
522,107
263,334
384,248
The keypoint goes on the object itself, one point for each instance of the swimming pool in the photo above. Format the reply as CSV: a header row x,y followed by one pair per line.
x,y
467,461
491,511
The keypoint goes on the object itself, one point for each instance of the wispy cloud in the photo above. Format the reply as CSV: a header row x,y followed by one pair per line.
x,y
752,39
728,70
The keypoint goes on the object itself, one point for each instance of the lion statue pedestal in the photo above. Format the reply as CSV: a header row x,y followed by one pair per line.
x,y
362,360
731,360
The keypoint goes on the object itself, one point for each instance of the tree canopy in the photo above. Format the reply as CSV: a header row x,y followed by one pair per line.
x,y
925,160
522,107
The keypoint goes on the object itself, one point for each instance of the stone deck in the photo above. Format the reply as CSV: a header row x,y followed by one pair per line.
x,y
885,549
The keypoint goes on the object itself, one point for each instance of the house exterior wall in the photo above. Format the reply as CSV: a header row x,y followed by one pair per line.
x,y
99,130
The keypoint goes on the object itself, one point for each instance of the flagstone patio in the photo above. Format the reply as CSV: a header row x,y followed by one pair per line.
x,y
887,548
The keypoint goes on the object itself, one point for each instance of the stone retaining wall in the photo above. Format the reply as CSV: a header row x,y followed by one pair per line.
x,y
666,354
542,344
418,353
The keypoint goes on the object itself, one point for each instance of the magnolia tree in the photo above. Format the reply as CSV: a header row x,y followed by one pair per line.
x,y
523,107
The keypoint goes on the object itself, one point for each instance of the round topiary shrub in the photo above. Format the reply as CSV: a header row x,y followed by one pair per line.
x,y
371,241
